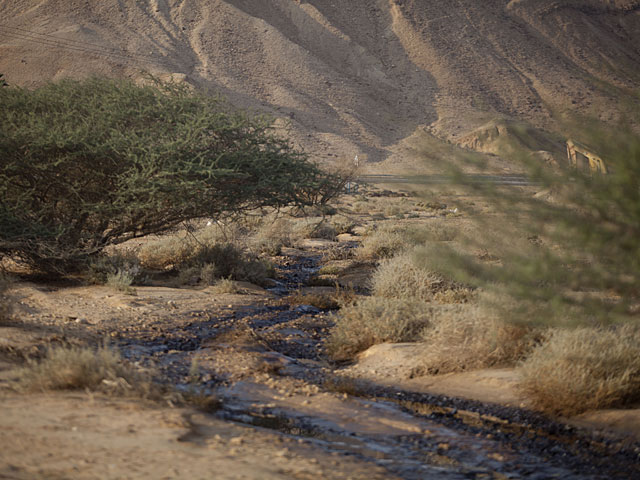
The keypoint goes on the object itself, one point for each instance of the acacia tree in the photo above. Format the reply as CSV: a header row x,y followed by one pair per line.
x,y
86,164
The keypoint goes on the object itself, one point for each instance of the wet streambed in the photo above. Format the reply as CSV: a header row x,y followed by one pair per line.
x,y
412,435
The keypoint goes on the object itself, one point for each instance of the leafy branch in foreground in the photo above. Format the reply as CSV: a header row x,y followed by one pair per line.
x,y
86,164
569,255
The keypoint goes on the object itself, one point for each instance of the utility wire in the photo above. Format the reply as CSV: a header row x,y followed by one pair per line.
x,y
54,41
73,45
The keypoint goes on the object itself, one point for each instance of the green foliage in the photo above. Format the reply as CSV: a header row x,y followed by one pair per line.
x,y
86,164
5,301
570,254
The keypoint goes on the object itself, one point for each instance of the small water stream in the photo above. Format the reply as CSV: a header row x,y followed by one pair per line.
x,y
412,435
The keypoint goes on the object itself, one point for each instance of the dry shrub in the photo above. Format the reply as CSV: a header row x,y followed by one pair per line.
x,y
440,230
205,260
116,268
342,224
401,277
584,369
314,228
383,242
225,285
75,368
338,251
166,252
467,337
374,320
361,207
272,236
323,301
121,281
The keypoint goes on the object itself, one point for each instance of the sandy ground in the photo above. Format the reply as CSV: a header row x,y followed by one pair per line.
x,y
258,371
386,80
80,436
392,365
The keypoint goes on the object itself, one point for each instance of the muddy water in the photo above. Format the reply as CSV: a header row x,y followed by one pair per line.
x,y
411,435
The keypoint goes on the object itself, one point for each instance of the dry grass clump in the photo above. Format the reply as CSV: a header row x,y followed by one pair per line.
x,y
209,264
441,230
338,251
119,269
361,206
314,227
166,252
75,368
205,260
272,236
466,337
225,286
331,269
323,301
343,384
584,369
172,251
121,281
331,300
401,277
374,320
383,242
342,224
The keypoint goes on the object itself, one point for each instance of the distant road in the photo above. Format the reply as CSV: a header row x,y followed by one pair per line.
x,y
510,179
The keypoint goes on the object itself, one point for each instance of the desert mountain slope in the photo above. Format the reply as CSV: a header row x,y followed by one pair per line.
x,y
351,76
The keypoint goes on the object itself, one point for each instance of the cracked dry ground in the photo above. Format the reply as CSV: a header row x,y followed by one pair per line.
x,y
285,410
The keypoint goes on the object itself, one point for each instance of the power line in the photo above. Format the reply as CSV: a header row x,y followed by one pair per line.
x,y
73,45
54,41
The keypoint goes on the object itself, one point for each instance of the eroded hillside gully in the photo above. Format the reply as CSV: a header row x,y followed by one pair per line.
x,y
267,365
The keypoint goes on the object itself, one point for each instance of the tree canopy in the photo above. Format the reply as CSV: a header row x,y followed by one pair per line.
x,y
85,164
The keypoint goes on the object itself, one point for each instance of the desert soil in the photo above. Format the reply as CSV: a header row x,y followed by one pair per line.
x,y
285,410
395,82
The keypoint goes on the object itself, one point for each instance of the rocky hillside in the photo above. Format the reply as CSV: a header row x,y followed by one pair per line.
x,y
349,76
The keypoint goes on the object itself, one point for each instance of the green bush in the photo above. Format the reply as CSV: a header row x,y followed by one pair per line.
x,y
5,301
86,164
